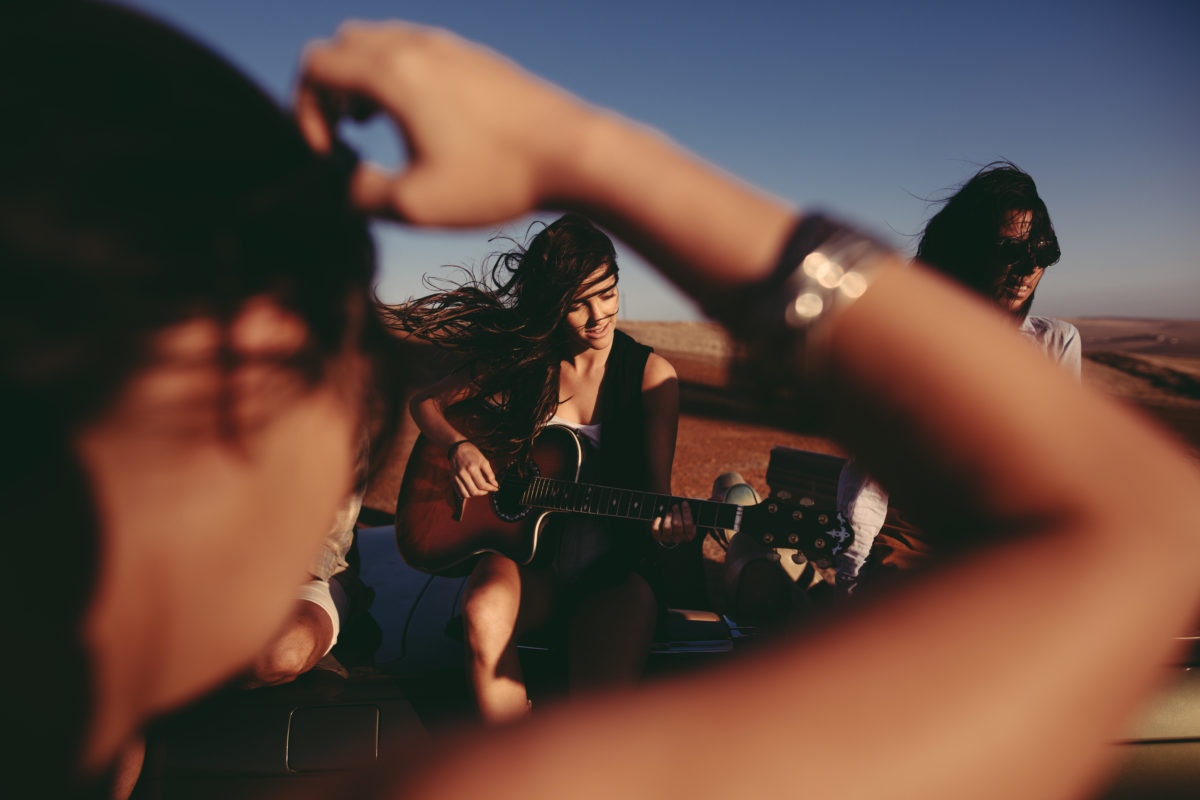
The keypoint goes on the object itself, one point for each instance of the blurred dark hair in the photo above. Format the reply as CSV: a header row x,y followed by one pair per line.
x,y
148,183
960,239
143,182
505,327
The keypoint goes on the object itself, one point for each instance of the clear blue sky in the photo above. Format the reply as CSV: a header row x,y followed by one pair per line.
x,y
867,108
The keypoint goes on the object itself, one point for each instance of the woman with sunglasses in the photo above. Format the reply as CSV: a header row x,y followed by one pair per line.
x,y
993,236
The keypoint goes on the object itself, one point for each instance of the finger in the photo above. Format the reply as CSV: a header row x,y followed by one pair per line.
x,y
482,479
686,523
466,486
315,126
322,69
331,87
472,482
489,477
373,190
668,529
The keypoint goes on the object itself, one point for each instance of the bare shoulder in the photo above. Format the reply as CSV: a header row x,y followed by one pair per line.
x,y
657,372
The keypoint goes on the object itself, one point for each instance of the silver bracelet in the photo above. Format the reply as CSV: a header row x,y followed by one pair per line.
x,y
781,324
784,320
823,284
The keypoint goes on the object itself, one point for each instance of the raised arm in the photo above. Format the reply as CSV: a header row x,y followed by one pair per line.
x,y
1043,665
473,161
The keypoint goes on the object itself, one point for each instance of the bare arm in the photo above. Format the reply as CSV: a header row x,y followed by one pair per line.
x,y
702,227
472,471
1045,664
660,397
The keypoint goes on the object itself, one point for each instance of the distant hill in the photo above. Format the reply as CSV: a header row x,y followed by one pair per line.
x,y
1151,363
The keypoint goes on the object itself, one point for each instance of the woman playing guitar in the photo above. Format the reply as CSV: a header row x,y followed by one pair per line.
x,y
539,345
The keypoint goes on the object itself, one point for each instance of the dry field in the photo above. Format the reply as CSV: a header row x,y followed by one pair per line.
x,y
1153,365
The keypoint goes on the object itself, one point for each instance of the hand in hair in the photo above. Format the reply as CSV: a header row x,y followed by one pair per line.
x,y
488,142
365,69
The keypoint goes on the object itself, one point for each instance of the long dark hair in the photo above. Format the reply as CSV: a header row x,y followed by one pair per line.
x,y
146,183
504,328
960,239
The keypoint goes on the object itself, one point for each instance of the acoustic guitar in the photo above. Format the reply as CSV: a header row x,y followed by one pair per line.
x,y
438,530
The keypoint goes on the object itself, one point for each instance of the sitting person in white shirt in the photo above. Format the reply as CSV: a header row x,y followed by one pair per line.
x,y
993,236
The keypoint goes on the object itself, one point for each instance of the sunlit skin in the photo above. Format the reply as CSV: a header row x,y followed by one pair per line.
x,y
1048,664
184,506
1015,288
611,629
592,318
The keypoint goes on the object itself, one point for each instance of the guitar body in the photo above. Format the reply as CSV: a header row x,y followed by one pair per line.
x,y
440,532
437,531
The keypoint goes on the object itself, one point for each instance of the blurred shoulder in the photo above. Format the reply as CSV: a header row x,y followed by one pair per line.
x,y
1049,328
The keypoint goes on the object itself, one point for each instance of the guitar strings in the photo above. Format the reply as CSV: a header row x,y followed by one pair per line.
x,y
565,495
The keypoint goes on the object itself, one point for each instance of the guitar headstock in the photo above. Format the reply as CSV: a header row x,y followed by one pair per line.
x,y
798,523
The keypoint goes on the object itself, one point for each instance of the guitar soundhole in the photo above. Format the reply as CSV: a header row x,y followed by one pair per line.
x,y
506,503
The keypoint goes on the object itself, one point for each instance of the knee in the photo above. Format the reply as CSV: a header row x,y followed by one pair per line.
x,y
282,664
643,608
489,620
307,637
730,487
641,596
758,589
288,657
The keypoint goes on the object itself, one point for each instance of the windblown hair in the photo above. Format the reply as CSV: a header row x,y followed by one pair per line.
x,y
960,239
505,327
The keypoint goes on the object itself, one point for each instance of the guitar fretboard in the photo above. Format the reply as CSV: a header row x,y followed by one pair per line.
x,y
605,501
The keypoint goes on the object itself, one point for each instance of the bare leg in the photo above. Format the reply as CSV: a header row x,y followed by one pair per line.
x,y
501,599
128,768
611,634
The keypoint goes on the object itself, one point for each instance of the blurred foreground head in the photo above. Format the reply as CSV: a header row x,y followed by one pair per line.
x,y
181,275
146,182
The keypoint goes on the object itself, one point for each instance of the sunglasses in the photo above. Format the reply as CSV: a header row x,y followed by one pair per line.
x,y
1013,254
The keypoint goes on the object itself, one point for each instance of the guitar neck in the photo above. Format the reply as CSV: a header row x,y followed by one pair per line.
x,y
604,501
